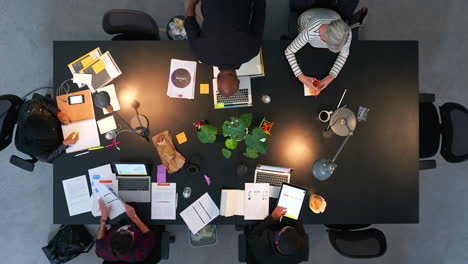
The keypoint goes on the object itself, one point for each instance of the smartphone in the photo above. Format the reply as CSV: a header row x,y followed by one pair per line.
x,y
76,99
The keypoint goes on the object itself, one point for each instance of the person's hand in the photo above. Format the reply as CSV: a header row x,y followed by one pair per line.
x,y
104,210
310,82
63,117
70,140
190,10
130,211
326,81
193,2
278,213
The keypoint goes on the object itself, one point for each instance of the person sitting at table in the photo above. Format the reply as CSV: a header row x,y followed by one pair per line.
x,y
128,243
321,28
39,131
274,242
230,35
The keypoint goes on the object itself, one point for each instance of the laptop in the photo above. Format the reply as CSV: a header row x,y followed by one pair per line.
x,y
275,176
242,98
134,182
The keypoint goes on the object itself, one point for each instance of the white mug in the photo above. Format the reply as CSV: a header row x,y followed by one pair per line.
x,y
325,115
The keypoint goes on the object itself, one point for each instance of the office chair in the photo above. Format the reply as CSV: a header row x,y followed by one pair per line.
x,y
347,227
130,25
452,127
368,243
161,250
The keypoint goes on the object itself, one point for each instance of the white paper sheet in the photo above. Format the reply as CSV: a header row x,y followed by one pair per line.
x,y
88,136
114,100
102,174
232,202
77,195
111,198
187,92
163,201
257,201
106,124
200,213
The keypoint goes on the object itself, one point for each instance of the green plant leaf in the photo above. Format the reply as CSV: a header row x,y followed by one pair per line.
x,y
254,143
245,120
207,133
230,143
233,130
259,133
251,153
226,153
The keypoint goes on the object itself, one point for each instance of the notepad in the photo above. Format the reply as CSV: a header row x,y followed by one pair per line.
x,y
106,124
88,137
181,138
204,88
232,202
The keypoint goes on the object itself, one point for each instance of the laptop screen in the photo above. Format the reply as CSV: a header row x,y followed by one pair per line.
x,y
130,169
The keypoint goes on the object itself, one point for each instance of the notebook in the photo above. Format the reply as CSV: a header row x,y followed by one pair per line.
x,y
253,68
77,112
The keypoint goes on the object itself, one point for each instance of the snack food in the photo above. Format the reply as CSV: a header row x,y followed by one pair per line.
x,y
317,204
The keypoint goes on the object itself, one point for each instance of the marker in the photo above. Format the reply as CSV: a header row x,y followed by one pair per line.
x,y
96,148
113,144
77,155
76,133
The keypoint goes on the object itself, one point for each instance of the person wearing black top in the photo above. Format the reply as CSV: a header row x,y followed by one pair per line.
x,y
230,35
274,242
39,133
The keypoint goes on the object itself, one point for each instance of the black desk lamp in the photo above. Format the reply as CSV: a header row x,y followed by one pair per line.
x,y
324,168
102,100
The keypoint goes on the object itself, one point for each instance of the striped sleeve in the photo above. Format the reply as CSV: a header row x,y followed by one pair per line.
x,y
342,56
295,46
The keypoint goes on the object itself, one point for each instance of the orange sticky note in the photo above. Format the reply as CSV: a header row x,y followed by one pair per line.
x,y
312,92
181,138
204,88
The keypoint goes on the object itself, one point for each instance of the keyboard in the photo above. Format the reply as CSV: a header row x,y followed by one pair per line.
x,y
134,184
241,97
274,179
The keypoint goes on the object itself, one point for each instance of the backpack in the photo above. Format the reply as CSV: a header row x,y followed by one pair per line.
x,y
69,242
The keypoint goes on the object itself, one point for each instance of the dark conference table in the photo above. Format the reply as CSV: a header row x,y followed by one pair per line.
x,y
377,179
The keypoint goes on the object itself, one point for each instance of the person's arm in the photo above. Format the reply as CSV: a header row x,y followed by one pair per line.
x,y
136,220
190,23
50,156
257,20
104,219
294,47
268,223
338,65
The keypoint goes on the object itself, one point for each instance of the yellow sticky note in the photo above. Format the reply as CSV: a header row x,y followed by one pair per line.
x,y
181,138
204,88
219,105
98,66
87,61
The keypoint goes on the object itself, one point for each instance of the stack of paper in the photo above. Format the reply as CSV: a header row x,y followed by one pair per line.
x,y
182,79
232,202
102,174
88,134
163,201
253,68
77,195
257,201
200,213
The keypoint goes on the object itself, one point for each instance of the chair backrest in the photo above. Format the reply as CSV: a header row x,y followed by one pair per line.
x,y
348,227
368,243
130,24
9,105
429,130
454,128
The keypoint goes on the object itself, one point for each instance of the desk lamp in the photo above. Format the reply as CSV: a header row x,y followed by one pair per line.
x,y
343,124
102,100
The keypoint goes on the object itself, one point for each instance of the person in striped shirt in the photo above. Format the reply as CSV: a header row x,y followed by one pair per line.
x,y
321,28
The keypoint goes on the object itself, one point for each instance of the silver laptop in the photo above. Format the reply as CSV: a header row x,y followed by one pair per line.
x,y
242,98
275,176
134,184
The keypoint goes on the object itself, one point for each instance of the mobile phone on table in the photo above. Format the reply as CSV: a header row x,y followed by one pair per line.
x,y
76,99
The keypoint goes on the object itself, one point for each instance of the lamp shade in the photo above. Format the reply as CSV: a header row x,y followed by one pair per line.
x,y
323,169
101,99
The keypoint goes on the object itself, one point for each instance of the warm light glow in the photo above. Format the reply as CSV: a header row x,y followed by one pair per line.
x,y
299,148
127,95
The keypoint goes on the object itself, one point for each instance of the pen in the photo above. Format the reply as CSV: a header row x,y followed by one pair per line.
x,y
76,133
96,148
113,144
77,155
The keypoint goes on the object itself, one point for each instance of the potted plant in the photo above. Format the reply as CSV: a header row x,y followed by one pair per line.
x,y
236,130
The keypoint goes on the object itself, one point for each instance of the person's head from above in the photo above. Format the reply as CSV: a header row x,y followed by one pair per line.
x,y
290,242
335,35
228,83
40,134
121,242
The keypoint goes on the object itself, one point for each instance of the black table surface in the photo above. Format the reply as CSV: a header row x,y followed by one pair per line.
x,y
377,179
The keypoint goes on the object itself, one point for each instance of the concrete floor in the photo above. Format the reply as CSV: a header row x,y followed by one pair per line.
x,y
28,28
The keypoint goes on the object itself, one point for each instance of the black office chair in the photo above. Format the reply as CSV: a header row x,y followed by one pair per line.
x,y
161,251
368,243
453,127
347,227
130,25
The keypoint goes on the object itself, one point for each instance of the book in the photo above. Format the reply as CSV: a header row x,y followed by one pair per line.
x,y
253,68
103,70
84,61
182,79
232,203
77,112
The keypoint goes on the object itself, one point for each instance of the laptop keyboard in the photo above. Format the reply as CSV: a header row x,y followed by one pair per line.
x,y
241,97
273,179
133,184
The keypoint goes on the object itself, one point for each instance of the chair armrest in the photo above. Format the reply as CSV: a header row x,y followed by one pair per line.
x,y
22,163
426,98
165,244
427,164
242,248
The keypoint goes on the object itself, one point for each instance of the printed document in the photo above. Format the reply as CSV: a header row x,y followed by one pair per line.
x,y
257,201
77,195
163,201
111,198
200,213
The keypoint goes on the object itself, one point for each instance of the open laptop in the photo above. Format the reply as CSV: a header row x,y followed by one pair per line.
x,y
134,182
242,98
275,176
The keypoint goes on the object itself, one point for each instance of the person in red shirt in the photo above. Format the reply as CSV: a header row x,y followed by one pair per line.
x,y
128,243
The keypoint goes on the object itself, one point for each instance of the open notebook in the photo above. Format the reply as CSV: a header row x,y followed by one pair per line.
x,y
253,68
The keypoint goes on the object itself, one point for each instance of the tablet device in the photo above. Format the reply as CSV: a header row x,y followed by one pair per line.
x,y
291,197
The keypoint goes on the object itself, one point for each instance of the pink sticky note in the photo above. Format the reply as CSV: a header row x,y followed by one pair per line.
x,y
161,174
207,179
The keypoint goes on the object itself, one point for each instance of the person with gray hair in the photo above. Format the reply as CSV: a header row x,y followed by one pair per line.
x,y
321,28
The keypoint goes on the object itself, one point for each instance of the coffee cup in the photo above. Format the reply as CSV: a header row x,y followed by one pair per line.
x,y
325,115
